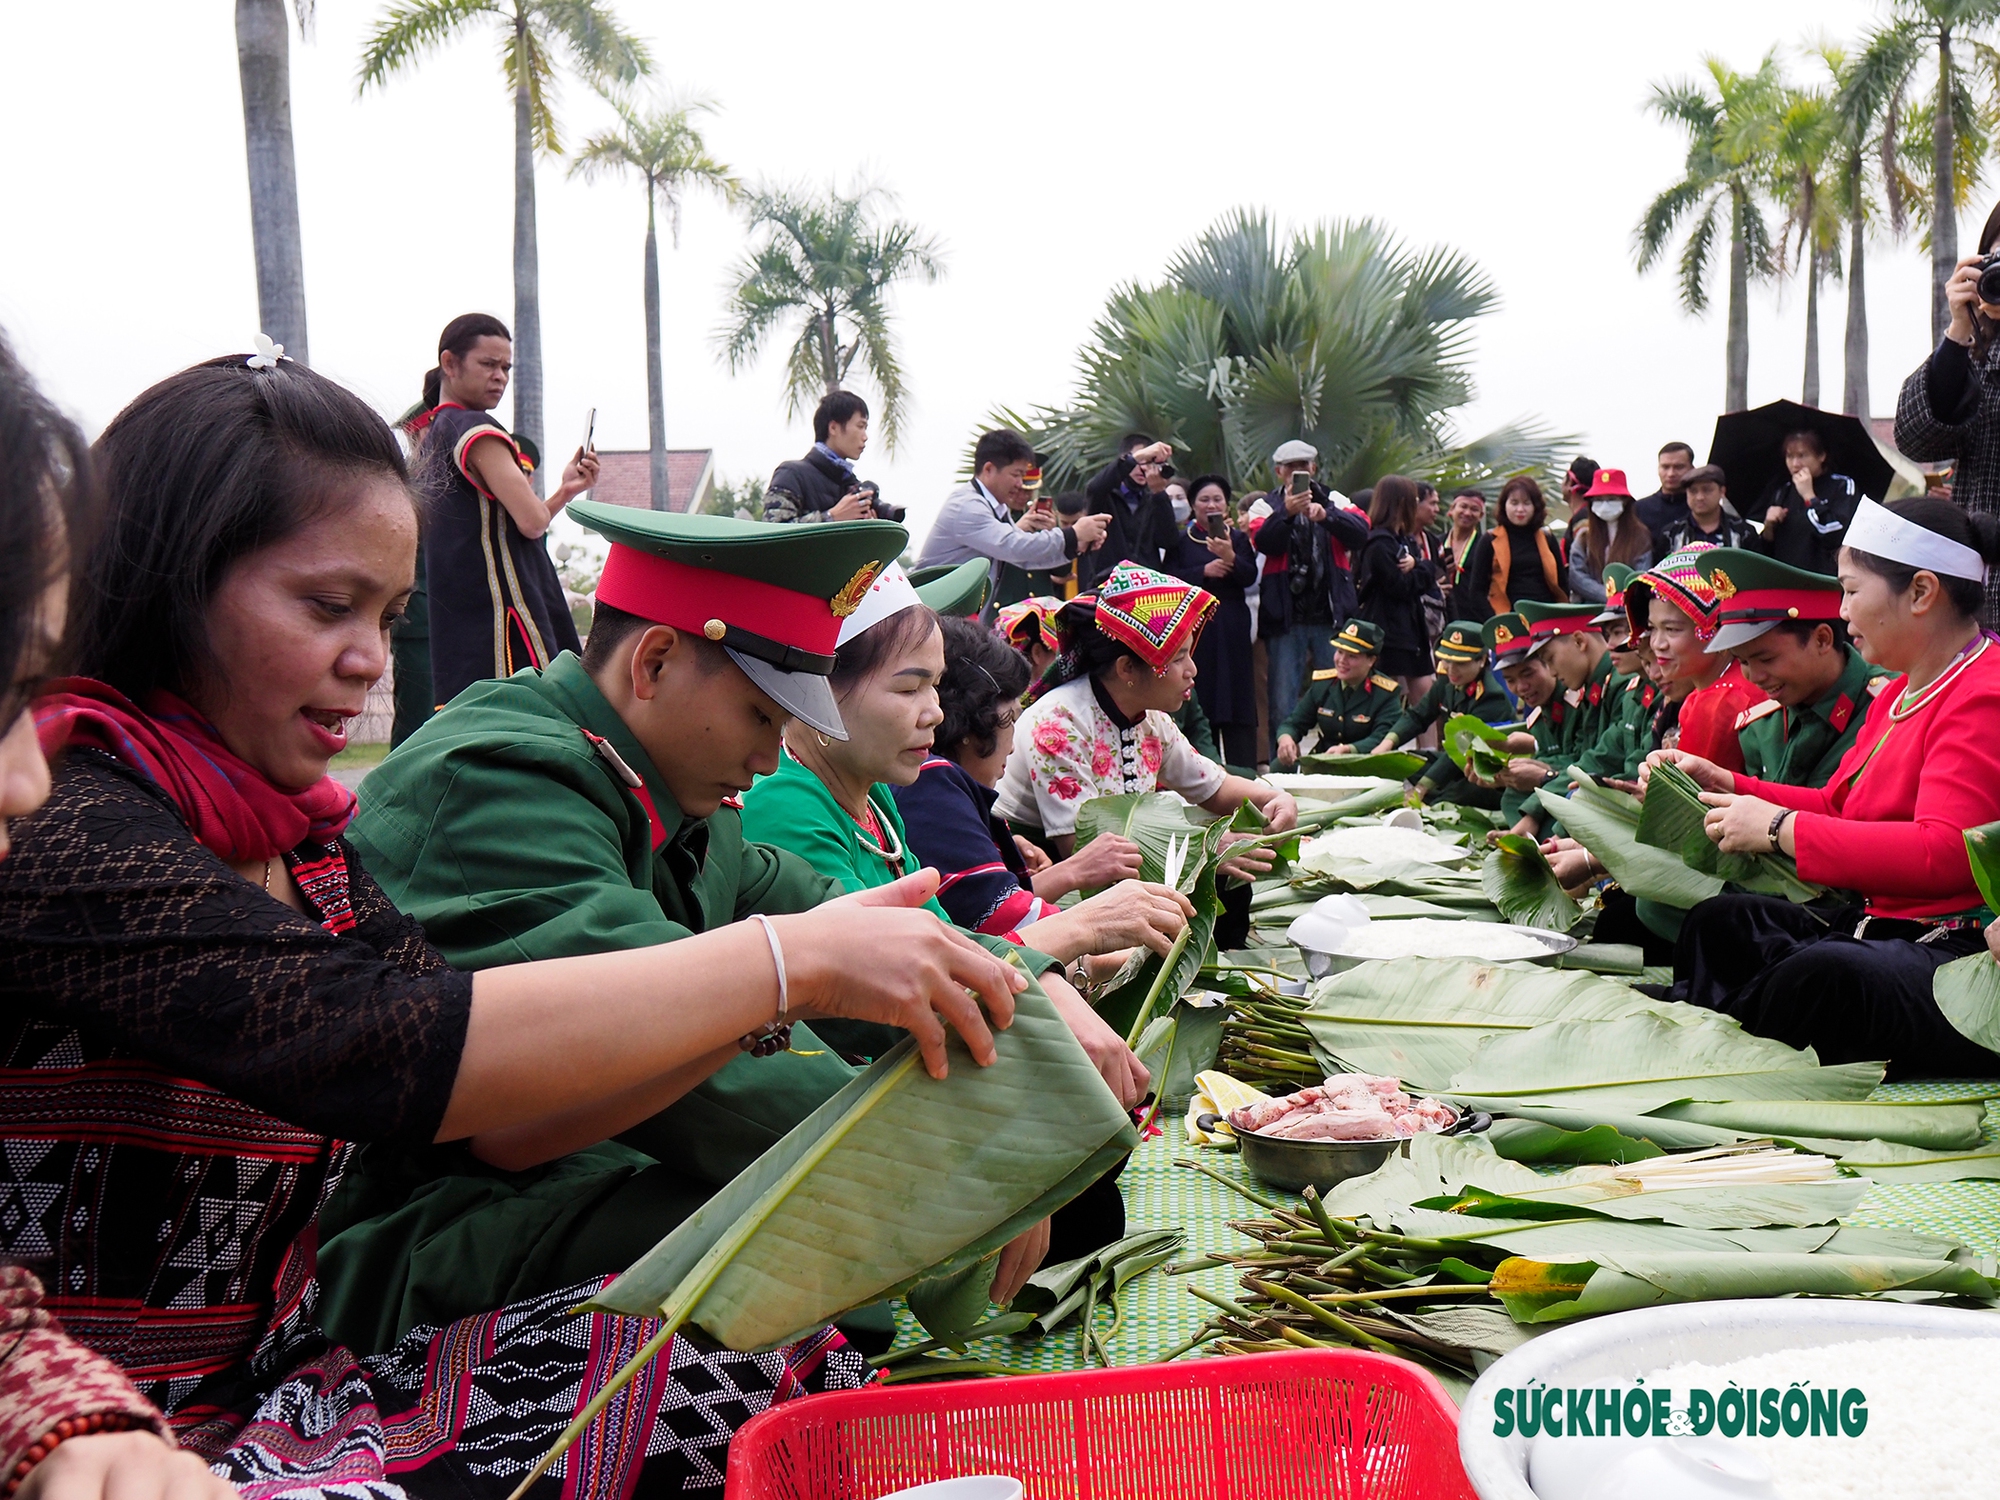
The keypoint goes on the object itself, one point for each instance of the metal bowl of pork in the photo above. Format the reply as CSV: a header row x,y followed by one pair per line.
x,y
1324,1165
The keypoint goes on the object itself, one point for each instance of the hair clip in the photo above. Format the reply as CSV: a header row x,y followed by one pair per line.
x,y
267,356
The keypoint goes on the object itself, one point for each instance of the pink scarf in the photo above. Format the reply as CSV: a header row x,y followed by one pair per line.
x,y
231,807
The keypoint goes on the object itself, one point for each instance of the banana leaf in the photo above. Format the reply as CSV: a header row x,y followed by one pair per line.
x,y
1154,821
1055,1294
1395,765
1540,1292
1640,1061
1535,1143
1517,879
1891,1161
898,1179
1463,733
1967,989
1656,1129
1606,822
1393,908
1420,1019
1672,819
1626,959
1982,844
1934,1127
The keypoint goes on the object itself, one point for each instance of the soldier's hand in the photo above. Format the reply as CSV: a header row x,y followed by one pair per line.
x,y
1704,773
1524,775
1288,750
833,959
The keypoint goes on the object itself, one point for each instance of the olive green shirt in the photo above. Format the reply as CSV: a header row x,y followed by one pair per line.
x,y
1804,746
1484,699
1345,715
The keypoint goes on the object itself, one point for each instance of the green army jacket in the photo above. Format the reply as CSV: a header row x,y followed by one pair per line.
x,y
1485,699
1344,715
1804,746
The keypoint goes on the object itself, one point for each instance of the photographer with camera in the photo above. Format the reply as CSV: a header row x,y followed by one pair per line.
x,y
1003,515
1949,408
1130,492
821,486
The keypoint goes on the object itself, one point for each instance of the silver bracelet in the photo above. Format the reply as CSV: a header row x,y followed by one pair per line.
x,y
775,1036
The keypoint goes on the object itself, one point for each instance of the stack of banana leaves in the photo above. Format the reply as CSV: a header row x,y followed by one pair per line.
x,y
1454,1255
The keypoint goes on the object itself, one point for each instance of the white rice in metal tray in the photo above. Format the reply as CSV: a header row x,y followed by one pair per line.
x,y
1930,1433
1376,846
1428,937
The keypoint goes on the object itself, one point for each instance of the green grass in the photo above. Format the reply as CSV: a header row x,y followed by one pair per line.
x,y
356,756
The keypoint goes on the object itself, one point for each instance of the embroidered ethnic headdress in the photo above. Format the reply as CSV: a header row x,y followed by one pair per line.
x,y
1035,617
1148,612
1677,579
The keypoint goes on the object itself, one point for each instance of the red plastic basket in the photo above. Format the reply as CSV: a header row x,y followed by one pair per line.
x,y
1288,1426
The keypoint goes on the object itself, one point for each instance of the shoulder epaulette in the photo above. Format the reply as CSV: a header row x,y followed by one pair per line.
x,y
1757,711
1875,686
1387,684
1324,676
1533,714
1638,681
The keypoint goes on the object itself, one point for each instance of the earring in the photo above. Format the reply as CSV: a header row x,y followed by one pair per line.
x,y
824,742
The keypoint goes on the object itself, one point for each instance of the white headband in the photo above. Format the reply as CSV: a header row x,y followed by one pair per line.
x,y
1879,531
890,593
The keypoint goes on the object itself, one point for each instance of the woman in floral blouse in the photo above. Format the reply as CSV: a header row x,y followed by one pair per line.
x,y
1101,724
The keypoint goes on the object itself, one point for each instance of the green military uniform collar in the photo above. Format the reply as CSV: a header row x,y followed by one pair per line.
x,y
1849,699
571,688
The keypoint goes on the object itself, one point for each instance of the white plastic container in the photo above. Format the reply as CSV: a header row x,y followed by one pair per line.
x,y
1621,1347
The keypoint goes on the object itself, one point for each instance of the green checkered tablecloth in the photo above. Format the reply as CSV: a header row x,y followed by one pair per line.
x,y
1158,1314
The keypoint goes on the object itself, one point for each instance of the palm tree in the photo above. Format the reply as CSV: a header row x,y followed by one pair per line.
x,y
665,148
1338,335
532,34
1730,129
1954,119
1803,148
827,264
264,65
1860,100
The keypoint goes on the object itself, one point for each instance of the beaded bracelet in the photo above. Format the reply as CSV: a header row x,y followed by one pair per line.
x,y
63,1431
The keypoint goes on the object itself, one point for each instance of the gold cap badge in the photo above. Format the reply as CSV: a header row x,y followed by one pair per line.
x,y
1723,584
715,630
848,600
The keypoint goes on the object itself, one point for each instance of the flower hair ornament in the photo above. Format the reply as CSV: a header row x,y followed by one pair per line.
x,y
268,354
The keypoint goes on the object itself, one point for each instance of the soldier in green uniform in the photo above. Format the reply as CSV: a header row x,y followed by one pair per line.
x,y
1538,746
1625,742
1783,624
583,808
1464,684
1349,703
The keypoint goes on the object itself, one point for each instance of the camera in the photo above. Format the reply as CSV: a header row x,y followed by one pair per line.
x,y
1167,470
873,492
1989,280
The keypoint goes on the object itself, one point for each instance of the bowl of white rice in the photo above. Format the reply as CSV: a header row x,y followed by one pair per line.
x,y
1796,1399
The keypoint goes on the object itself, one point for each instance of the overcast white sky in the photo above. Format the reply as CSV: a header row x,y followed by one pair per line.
x,y
1055,149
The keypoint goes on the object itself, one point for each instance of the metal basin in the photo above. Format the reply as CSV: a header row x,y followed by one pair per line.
x,y
1324,1165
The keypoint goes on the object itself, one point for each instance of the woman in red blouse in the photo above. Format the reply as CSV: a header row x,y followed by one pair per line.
x,y
1856,984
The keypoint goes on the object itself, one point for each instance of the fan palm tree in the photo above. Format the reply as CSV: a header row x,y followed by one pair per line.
x,y
1338,335
1803,149
533,34
664,147
264,65
1954,118
826,263
1730,128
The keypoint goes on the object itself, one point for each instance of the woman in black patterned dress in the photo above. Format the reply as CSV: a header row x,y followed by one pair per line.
x,y
206,997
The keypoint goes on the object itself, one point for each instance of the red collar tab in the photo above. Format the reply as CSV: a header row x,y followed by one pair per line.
x,y
1843,711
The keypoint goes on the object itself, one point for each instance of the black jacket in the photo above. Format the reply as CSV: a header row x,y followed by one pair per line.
x,y
1730,531
1809,536
1661,512
806,488
1143,529
1392,598
1343,528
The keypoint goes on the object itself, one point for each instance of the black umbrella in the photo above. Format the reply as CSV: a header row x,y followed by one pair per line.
x,y
1750,448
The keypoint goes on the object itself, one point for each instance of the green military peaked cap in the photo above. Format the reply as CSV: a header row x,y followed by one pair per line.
x,y
772,596
1507,637
1554,619
954,588
1616,576
1362,637
1754,593
1462,640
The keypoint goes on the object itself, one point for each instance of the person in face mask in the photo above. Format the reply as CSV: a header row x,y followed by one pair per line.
x,y
1611,533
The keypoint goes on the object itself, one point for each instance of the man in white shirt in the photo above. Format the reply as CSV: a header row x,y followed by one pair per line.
x,y
993,517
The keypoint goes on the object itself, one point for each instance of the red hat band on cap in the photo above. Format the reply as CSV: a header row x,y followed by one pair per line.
x,y
1793,604
671,593
1541,630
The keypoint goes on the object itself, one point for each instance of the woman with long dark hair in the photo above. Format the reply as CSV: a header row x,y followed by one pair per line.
x,y
1392,575
1609,532
194,958
1215,555
496,604
1855,985
1518,559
